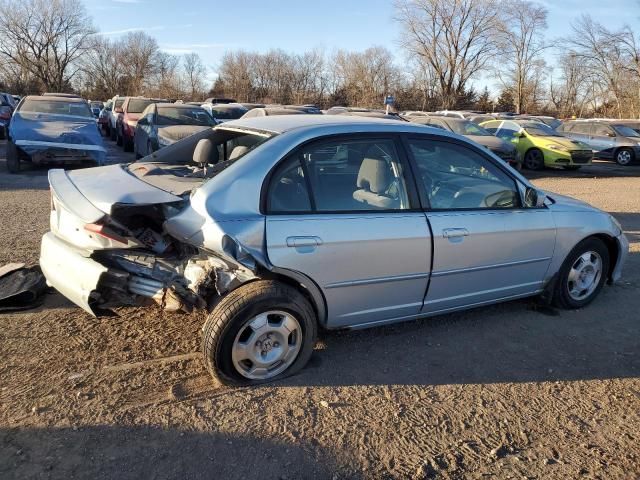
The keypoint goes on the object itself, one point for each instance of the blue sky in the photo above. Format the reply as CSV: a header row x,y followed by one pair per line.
x,y
211,27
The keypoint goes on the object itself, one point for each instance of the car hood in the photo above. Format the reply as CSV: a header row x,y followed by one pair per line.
x,y
491,142
564,203
564,141
38,129
178,132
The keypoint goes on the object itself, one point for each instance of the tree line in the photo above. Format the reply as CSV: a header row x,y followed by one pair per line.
x,y
445,47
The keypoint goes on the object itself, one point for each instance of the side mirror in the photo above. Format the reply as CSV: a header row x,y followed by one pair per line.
x,y
119,110
534,198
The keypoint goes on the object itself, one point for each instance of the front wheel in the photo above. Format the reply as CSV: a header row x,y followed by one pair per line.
x,y
260,332
624,157
582,274
13,159
534,159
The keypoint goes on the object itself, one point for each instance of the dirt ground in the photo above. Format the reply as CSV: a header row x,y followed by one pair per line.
x,y
509,391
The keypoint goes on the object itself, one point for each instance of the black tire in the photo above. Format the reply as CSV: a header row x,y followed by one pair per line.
x,y
561,296
119,138
127,145
533,159
12,158
112,134
624,156
236,310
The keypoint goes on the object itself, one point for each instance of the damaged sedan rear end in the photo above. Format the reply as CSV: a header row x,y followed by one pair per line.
x,y
52,130
129,235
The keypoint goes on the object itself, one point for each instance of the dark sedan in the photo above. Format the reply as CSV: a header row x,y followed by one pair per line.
x,y
162,124
505,150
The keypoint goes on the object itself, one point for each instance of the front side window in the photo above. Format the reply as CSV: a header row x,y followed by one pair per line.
x,y
602,131
342,176
455,177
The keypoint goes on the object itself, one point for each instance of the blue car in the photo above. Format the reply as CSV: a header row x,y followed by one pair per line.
x,y
53,130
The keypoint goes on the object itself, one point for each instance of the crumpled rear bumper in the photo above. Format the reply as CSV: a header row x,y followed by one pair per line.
x,y
70,272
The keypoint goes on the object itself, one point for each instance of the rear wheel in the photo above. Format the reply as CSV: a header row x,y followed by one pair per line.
x,y
260,332
624,157
534,159
13,160
582,274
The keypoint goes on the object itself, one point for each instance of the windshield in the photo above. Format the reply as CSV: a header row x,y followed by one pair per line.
x,y
468,128
228,113
625,131
539,129
60,107
137,105
184,116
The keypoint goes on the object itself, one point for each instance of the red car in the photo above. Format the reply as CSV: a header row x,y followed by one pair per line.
x,y
128,117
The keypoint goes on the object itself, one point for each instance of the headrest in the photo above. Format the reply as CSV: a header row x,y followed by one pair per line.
x,y
205,152
374,175
238,151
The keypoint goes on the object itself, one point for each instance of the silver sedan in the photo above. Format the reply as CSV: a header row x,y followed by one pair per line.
x,y
279,226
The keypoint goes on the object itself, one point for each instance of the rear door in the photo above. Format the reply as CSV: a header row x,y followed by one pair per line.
x,y
603,140
487,247
342,212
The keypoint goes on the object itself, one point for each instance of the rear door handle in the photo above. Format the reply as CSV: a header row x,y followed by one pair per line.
x,y
303,241
455,232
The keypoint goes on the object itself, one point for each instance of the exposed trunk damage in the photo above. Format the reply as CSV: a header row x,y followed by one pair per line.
x,y
130,234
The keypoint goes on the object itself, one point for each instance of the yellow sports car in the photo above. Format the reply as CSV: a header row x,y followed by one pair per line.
x,y
540,146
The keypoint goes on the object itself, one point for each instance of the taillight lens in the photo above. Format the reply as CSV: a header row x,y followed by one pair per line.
x,y
105,232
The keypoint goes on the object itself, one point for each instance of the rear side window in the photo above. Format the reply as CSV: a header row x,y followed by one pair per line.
x,y
583,128
340,176
602,130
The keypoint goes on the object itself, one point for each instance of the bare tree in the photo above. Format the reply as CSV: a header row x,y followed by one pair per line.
x,y
138,56
194,72
522,43
455,38
101,68
45,38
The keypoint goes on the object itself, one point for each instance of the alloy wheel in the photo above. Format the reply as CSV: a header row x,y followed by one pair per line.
x,y
266,345
584,275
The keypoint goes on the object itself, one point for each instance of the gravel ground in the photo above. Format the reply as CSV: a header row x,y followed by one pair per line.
x,y
509,391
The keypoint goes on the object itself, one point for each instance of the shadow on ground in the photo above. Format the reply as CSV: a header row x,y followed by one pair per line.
x,y
145,452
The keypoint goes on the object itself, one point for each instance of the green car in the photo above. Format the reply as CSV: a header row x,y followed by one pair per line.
x,y
540,146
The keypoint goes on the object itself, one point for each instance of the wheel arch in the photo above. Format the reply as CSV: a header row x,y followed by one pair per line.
x,y
612,247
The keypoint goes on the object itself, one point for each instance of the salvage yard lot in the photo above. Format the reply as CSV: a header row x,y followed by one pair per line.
x,y
514,390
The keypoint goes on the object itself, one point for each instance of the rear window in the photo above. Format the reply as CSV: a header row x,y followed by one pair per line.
x,y
225,113
78,109
184,116
137,105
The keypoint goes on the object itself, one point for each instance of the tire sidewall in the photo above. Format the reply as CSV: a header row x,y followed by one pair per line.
x,y
539,164
631,157
295,305
563,298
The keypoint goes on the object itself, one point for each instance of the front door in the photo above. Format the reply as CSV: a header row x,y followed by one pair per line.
x,y
341,212
487,247
603,140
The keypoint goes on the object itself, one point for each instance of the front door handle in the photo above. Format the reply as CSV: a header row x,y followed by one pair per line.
x,y
455,232
303,241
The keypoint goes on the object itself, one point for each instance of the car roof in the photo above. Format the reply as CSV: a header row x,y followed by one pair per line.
x,y
51,98
284,123
177,105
